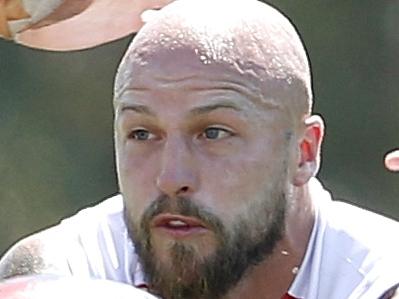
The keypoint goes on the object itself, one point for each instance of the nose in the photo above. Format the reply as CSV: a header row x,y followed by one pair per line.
x,y
178,173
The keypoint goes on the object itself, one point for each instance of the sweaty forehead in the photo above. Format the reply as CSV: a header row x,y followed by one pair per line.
x,y
218,38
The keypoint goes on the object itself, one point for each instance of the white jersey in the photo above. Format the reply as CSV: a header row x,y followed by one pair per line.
x,y
352,253
96,244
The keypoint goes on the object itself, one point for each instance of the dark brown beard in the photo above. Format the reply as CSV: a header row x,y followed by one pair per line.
x,y
191,277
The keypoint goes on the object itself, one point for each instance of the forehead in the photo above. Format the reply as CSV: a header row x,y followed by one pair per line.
x,y
183,49
187,70
249,45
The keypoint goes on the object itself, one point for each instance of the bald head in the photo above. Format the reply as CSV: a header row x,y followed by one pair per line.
x,y
246,37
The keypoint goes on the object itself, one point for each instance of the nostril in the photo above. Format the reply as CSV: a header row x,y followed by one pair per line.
x,y
184,189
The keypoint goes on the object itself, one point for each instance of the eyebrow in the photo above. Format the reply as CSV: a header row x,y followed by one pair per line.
x,y
142,109
209,108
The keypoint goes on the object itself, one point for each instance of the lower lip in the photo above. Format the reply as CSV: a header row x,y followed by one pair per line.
x,y
182,232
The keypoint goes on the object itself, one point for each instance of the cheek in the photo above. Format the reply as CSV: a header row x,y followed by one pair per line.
x,y
136,179
232,182
136,163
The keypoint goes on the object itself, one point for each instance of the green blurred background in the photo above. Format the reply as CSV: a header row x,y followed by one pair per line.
x,y
56,151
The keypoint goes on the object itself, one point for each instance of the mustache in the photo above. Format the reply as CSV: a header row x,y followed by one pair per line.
x,y
183,206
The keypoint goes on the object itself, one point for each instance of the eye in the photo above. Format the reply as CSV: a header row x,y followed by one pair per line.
x,y
141,135
214,133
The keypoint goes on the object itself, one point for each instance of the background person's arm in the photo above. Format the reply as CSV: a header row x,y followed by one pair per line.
x,y
65,25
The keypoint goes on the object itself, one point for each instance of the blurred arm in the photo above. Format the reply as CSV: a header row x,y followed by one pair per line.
x,y
67,25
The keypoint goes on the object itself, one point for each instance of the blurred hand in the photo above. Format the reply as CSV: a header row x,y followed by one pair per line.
x,y
392,160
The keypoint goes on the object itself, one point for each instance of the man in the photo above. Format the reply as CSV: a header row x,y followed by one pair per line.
x,y
216,152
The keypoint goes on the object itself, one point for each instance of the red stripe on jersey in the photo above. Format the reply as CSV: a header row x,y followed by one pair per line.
x,y
287,296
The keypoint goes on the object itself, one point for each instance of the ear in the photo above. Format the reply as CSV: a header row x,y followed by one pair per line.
x,y
309,150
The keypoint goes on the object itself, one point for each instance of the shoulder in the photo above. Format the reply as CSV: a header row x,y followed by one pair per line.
x,y
91,243
95,221
368,240
365,228
367,251
32,255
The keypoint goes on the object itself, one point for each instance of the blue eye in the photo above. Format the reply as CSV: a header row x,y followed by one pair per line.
x,y
140,135
215,133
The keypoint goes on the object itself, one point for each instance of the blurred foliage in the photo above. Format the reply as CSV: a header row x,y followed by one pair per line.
x,y
56,152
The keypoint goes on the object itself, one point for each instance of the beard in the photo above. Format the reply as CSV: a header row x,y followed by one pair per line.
x,y
248,242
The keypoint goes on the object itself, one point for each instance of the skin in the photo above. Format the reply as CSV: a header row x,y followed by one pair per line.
x,y
82,24
392,161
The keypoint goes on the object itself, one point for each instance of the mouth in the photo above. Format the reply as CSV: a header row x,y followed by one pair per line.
x,y
178,226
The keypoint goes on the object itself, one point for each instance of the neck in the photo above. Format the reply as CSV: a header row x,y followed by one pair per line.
x,y
273,277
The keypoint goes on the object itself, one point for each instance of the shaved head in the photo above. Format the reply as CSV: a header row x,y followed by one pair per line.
x,y
248,37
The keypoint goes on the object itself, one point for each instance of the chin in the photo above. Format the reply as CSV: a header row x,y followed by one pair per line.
x,y
198,247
